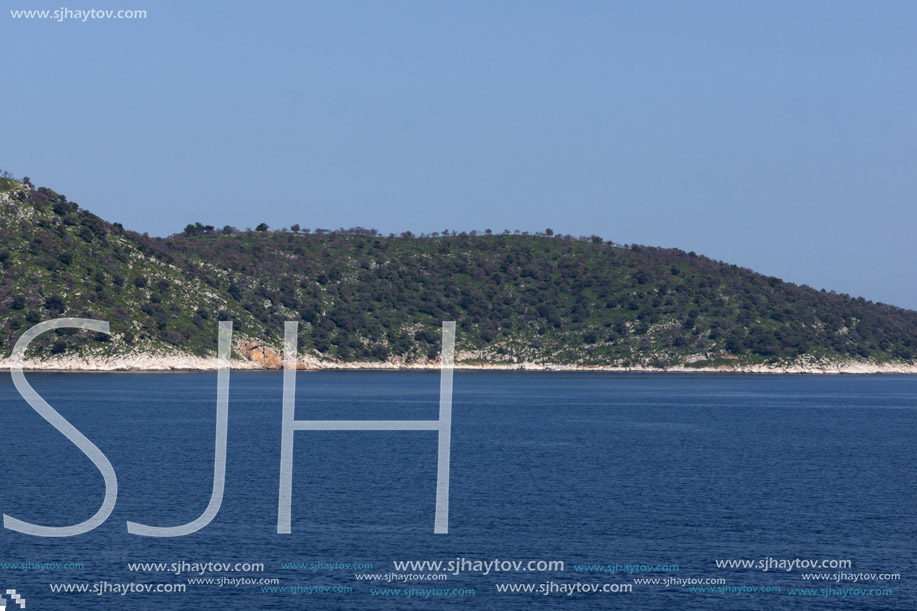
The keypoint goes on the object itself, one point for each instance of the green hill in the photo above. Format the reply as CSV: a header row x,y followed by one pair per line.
x,y
364,297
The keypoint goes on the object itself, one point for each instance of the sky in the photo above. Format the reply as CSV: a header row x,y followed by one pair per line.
x,y
779,136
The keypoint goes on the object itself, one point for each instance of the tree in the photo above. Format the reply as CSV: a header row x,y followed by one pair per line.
x,y
197,229
261,227
549,232
294,227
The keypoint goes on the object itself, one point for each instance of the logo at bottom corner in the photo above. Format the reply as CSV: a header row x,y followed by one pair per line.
x,y
14,596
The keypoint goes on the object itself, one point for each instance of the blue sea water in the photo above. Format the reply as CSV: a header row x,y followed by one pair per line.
x,y
588,469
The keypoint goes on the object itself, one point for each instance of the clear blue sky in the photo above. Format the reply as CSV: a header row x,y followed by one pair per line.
x,y
780,136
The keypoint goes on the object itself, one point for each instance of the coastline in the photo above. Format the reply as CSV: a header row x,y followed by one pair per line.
x,y
190,364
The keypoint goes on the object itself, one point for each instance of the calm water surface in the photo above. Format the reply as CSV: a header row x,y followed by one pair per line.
x,y
587,469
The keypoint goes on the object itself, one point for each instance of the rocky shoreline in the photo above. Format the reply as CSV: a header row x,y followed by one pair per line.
x,y
273,362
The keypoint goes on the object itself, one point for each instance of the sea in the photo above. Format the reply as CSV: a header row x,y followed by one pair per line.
x,y
566,490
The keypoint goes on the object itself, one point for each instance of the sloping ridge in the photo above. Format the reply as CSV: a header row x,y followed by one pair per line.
x,y
363,300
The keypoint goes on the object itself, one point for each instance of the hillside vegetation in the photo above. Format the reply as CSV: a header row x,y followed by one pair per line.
x,y
365,297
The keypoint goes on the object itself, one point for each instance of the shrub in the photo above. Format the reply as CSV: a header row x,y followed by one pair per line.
x,y
54,303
